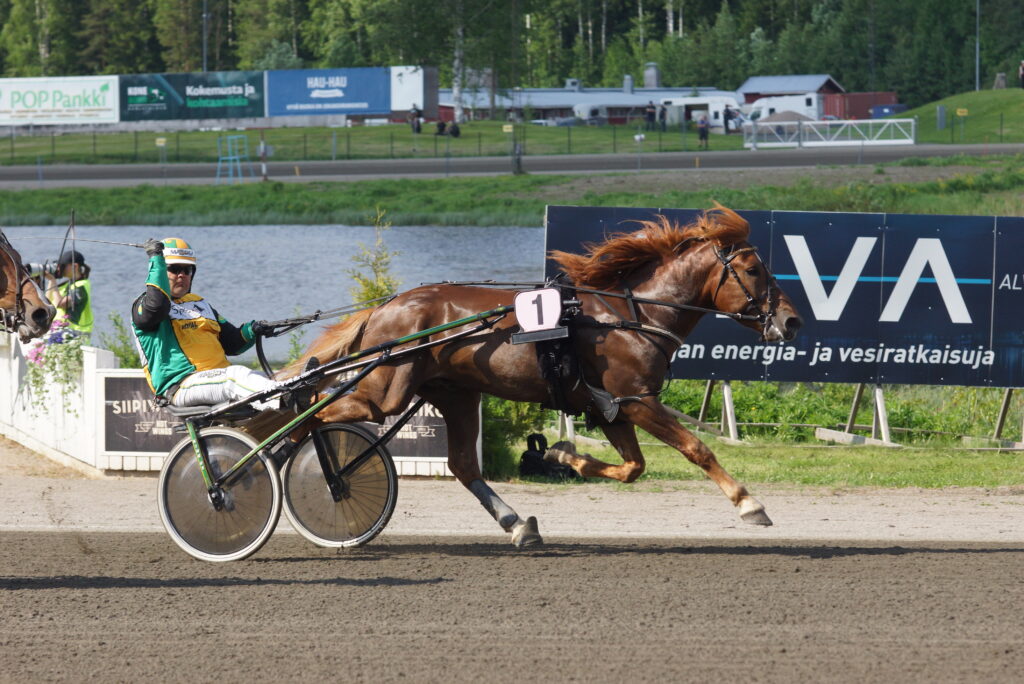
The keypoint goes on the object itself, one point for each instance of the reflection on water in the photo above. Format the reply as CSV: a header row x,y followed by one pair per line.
x,y
274,272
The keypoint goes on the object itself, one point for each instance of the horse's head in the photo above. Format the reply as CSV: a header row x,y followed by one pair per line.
x,y
740,283
23,305
703,267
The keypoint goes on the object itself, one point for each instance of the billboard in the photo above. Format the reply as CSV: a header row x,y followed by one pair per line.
x,y
133,424
58,101
213,95
885,298
365,90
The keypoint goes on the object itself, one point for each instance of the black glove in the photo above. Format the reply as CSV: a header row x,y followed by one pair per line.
x,y
153,247
261,327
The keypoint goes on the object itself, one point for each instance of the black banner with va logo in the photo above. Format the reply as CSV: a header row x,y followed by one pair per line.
x,y
885,297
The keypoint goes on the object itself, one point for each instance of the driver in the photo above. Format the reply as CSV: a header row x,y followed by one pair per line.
x,y
184,342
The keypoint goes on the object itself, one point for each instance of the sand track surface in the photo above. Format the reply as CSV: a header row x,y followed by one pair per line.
x,y
655,582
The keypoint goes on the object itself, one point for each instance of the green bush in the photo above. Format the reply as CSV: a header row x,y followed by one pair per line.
x,y
121,342
933,413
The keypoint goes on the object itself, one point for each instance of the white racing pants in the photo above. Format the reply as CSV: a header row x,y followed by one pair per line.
x,y
216,386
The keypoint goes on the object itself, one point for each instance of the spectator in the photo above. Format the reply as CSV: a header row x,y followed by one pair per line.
x,y
73,297
702,131
1020,73
726,119
663,116
440,128
649,114
453,130
415,118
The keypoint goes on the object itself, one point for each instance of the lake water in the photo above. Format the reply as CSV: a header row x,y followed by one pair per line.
x,y
274,272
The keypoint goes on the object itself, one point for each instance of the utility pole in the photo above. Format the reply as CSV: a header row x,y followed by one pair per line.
x,y
206,20
977,44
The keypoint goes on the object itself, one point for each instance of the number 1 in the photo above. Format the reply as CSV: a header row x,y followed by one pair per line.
x,y
540,309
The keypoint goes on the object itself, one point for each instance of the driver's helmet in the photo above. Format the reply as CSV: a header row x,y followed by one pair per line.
x,y
177,251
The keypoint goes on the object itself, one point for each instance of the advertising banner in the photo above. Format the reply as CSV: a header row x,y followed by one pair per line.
x,y
58,101
134,424
365,90
213,95
885,298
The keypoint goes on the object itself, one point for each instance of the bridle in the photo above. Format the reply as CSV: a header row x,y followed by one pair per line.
x,y
764,315
725,255
12,319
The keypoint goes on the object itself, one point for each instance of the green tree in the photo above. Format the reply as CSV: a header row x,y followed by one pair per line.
x,y
263,25
19,39
372,274
179,26
277,55
118,37
40,38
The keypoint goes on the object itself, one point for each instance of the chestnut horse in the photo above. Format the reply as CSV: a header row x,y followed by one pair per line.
x,y
23,305
706,266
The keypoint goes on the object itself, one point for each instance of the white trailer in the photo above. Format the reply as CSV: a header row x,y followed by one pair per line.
x,y
808,104
712,106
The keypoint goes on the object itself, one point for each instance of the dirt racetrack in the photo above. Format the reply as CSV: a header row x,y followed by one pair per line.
x,y
658,583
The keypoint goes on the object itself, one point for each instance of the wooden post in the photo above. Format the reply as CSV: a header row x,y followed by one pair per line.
x,y
857,395
1004,408
706,401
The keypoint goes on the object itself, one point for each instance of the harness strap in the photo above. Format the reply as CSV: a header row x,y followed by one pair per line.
x,y
635,324
608,405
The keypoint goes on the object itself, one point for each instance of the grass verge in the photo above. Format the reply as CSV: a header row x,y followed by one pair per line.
x,y
931,467
493,201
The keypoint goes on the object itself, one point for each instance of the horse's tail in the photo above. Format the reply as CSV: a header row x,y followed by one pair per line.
x,y
338,340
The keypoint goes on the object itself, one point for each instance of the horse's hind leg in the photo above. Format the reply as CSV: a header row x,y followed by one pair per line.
x,y
652,416
623,438
461,411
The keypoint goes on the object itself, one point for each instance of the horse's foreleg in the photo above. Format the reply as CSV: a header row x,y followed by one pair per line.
x,y
623,438
652,416
461,411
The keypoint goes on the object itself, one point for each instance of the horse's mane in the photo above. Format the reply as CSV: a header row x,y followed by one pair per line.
x,y
605,264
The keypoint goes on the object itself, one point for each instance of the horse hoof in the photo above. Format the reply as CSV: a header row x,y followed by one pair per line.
x,y
561,452
752,513
526,533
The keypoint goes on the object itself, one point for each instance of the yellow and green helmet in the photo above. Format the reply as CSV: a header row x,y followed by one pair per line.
x,y
177,251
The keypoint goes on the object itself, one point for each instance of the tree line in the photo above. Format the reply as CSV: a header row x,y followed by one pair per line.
x,y
922,49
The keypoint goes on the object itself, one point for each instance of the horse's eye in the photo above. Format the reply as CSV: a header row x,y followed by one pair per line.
x,y
752,271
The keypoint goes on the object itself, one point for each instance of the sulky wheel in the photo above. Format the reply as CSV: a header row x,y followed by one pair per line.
x,y
366,496
251,499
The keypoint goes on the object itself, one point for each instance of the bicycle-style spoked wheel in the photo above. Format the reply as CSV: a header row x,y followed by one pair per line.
x,y
251,498
367,494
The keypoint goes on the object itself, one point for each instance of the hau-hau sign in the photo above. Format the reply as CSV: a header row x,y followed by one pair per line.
x,y
885,298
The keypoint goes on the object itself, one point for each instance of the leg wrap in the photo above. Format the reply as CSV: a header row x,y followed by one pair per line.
x,y
498,509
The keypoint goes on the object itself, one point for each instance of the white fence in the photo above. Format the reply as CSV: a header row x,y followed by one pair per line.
x,y
109,420
868,132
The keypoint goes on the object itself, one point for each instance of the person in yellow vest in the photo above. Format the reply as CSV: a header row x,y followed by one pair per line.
x,y
73,297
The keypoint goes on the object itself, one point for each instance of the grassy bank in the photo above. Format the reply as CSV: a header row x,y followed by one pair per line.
x,y
833,466
991,188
